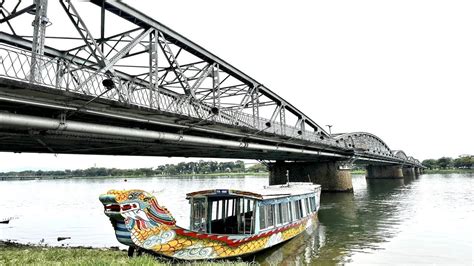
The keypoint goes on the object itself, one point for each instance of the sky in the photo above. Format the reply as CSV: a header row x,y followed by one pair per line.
x,y
402,70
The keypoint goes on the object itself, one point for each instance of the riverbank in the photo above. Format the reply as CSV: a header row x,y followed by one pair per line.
x,y
226,174
448,171
12,253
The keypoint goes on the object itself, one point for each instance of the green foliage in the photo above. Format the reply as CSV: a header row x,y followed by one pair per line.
x,y
445,162
462,162
430,163
201,167
257,168
190,168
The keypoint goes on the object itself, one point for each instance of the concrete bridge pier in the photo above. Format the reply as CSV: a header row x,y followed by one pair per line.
x,y
418,171
327,174
384,172
409,172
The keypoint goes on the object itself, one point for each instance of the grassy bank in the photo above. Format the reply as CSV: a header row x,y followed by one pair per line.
x,y
18,254
448,171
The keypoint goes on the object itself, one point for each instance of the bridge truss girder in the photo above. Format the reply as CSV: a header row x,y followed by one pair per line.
x,y
177,76
149,65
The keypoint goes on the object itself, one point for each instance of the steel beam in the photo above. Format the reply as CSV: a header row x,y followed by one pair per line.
x,y
39,24
37,123
81,27
138,18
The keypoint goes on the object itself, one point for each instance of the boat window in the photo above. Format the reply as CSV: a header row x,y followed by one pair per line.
x,y
267,216
298,210
198,215
312,202
290,211
262,217
284,212
278,214
230,208
306,201
297,214
231,215
270,210
301,208
216,213
245,217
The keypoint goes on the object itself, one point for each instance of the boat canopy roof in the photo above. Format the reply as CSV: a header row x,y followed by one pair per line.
x,y
267,192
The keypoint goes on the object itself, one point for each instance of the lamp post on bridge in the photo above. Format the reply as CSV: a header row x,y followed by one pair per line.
x,y
329,126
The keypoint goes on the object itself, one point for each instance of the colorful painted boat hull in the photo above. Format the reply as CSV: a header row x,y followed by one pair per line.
x,y
142,223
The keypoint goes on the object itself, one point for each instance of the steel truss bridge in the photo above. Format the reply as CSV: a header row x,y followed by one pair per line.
x,y
143,89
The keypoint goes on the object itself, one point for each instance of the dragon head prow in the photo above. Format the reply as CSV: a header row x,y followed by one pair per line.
x,y
137,207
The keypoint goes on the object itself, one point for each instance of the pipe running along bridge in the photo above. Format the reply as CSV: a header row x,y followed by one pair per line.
x,y
143,89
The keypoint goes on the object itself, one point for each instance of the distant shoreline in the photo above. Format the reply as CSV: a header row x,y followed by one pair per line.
x,y
356,172
448,171
6,178
227,174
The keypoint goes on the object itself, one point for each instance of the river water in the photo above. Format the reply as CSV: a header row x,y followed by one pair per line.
x,y
424,220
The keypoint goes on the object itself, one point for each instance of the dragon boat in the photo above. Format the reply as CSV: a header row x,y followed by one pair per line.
x,y
224,223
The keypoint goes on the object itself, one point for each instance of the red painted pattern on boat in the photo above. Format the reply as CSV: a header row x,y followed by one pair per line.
x,y
237,242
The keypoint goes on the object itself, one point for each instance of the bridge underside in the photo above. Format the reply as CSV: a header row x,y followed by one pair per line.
x,y
38,101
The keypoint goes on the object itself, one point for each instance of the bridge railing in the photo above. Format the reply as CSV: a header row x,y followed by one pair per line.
x,y
58,73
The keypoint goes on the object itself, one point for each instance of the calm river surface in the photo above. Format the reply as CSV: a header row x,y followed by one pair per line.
x,y
425,220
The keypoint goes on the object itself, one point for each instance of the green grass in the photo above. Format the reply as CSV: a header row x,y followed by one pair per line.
x,y
32,255
18,254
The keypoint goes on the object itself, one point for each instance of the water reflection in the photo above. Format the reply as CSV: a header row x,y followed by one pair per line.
x,y
349,223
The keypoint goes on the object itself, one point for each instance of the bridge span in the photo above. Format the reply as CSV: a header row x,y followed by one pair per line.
x,y
144,89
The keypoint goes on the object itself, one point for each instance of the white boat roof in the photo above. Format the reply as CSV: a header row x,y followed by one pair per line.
x,y
267,192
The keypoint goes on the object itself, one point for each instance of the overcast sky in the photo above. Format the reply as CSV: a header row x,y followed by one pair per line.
x,y
402,70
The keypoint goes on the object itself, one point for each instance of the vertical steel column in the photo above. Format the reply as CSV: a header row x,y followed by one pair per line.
x,y
102,25
39,24
283,120
302,126
59,73
216,90
255,111
153,52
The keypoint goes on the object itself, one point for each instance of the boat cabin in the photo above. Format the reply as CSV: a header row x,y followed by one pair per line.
x,y
228,211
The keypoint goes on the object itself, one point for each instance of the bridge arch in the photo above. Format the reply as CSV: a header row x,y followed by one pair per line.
x,y
401,154
365,141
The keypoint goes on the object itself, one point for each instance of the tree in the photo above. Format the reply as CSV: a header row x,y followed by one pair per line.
x,y
445,162
257,168
430,163
464,162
